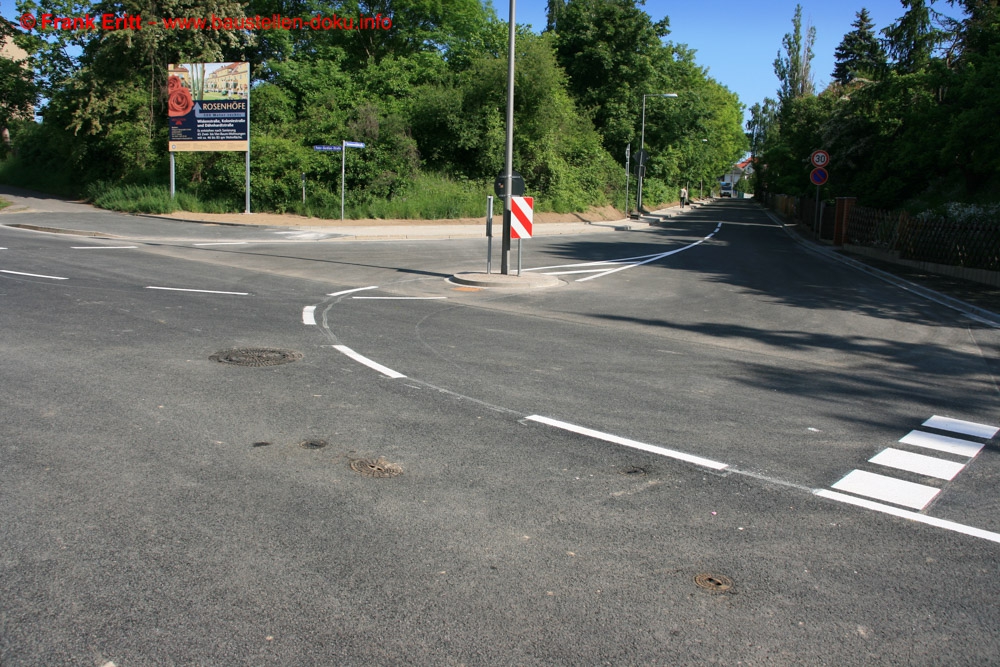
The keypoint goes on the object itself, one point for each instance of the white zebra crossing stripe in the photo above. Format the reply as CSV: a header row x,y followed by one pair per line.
x,y
961,426
942,443
918,463
888,489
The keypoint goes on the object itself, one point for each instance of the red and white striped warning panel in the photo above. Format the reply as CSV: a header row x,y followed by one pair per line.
x,y
520,217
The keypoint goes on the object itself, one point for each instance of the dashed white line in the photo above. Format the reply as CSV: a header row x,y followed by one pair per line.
x,y
201,291
634,444
889,489
912,516
222,243
960,426
32,275
343,349
918,463
103,247
309,315
942,443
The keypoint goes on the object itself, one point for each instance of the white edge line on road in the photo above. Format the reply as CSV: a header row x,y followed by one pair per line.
x,y
654,257
607,437
356,289
32,275
912,516
309,315
343,349
201,291
103,247
222,243
399,298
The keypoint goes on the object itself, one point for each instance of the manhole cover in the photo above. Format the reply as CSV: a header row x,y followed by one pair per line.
x,y
313,444
716,583
376,468
256,356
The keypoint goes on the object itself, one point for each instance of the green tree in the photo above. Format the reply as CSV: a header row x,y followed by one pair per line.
x,y
911,40
18,93
860,53
794,69
612,53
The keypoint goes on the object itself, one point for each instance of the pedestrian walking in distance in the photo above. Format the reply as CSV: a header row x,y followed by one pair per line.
x,y
684,196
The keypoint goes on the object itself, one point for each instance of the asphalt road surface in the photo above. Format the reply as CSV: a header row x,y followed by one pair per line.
x,y
707,445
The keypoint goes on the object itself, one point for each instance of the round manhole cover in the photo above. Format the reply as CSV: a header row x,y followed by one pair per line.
x,y
716,583
256,356
313,444
376,467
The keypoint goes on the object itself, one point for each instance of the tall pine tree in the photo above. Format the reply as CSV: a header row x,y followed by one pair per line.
x,y
860,54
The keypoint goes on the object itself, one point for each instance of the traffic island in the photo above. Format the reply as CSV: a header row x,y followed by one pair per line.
x,y
526,280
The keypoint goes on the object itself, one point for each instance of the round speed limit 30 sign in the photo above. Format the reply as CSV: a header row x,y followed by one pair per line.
x,y
819,158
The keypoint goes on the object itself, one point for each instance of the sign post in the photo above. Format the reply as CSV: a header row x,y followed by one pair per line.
x,y
521,218
628,154
489,234
818,176
344,145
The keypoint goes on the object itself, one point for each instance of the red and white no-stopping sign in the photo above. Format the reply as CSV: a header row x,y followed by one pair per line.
x,y
520,217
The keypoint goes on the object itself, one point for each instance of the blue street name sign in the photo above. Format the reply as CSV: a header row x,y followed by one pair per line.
x,y
354,144
326,148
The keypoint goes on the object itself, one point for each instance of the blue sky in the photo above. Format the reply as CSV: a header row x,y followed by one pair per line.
x,y
738,41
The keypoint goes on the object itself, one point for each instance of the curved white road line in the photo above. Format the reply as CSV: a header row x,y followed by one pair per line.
x,y
32,275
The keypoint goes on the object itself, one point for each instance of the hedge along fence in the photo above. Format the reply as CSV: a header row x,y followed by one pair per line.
x,y
956,234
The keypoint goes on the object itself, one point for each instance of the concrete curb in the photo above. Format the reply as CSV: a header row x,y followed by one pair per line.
x,y
508,281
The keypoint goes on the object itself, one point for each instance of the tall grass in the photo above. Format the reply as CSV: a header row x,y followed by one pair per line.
x,y
428,197
150,199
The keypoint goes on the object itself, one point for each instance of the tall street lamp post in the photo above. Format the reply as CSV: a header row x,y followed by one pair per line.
x,y
642,144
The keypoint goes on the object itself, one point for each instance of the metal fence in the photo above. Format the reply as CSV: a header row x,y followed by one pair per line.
x,y
972,243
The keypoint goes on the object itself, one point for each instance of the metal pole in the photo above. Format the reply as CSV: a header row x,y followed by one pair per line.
x,y
509,151
642,167
628,152
303,187
519,257
343,153
172,190
819,212
247,210
489,234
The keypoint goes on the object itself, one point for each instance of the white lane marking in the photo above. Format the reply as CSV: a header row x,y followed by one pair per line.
x,y
889,489
3,248
309,315
566,273
343,349
32,275
918,463
607,437
222,243
356,289
201,291
103,247
960,426
653,258
912,516
399,298
942,443
603,262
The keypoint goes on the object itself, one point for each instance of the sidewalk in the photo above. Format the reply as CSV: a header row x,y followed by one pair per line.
x,y
978,299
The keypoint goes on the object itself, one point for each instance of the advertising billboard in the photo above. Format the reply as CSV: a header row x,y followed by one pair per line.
x,y
209,106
